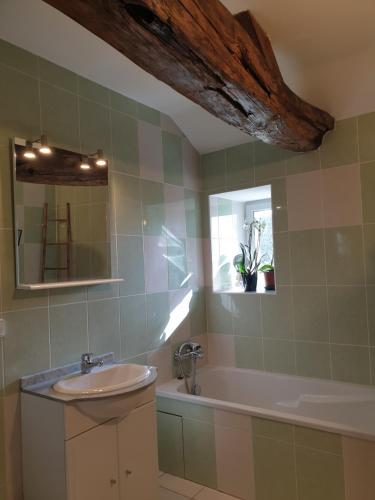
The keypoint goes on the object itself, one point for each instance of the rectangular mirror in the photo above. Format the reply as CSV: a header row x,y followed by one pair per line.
x,y
61,217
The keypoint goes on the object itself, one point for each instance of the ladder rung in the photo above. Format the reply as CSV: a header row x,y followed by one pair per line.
x,y
55,268
57,220
63,243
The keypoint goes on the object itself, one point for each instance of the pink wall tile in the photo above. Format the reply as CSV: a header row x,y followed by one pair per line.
x,y
304,195
341,193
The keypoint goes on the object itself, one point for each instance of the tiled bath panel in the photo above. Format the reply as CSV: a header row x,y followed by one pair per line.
x,y
259,459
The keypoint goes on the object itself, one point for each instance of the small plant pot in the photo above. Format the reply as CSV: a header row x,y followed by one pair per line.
x,y
269,279
250,282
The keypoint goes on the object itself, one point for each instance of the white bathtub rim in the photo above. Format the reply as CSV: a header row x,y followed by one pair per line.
x,y
169,390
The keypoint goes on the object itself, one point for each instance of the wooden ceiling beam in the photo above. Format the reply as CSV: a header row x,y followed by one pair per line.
x,y
222,62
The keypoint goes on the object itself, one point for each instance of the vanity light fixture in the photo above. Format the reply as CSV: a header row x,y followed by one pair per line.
x,y
85,164
29,152
44,147
100,160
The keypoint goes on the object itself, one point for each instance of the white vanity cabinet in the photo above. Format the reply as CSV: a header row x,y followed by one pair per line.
x,y
102,449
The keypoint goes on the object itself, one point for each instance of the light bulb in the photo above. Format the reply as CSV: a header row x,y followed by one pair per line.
x,y
29,152
85,165
44,148
100,160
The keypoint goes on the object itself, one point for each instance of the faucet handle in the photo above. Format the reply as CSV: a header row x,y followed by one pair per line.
x,y
86,357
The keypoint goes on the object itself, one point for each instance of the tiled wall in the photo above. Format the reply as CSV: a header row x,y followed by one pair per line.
x,y
156,235
321,321
260,459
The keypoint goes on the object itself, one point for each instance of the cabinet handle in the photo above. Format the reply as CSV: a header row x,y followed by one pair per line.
x,y
113,482
128,472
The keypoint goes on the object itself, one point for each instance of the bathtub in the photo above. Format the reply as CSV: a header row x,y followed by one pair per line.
x,y
344,408
257,435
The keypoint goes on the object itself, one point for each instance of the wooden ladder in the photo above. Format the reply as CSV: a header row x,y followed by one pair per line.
x,y
45,243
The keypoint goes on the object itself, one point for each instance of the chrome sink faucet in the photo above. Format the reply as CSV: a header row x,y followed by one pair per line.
x,y
87,363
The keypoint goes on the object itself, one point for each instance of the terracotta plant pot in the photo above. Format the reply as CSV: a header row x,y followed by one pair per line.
x,y
269,278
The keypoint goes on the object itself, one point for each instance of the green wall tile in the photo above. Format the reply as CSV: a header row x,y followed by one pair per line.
x,y
370,292
269,161
157,307
219,318
248,352
240,166
366,127
104,326
348,315
19,104
368,188
273,430
340,146
350,364
307,257
279,356
344,256
320,476
170,444
279,205
313,359
246,315
310,313
125,143
193,214
199,452
274,470
18,58
95,127
26,345
318,440
302,162
277,313
124,104
153,208
177,267
57,75
68,324
281,249
60,296
369,249
133,326
148,114
60,116
172,155
128,207
130,265
213,167
197,313
93,91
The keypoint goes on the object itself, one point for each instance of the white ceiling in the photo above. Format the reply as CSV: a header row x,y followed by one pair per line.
x,y
325,49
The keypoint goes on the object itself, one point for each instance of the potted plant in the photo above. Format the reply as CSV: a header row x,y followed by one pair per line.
x,y
269,275
248,261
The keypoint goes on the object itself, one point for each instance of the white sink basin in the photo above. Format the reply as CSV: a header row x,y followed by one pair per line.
x,y
103,379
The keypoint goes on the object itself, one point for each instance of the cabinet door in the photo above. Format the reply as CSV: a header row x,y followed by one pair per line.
x,y
138,465
91,464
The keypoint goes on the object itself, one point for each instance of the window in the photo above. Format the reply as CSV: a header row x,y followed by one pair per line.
x,y
235,256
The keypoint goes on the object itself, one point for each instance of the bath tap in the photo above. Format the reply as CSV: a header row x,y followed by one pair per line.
x,y
193,351
87,363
